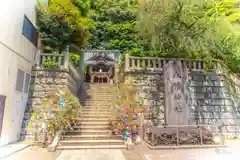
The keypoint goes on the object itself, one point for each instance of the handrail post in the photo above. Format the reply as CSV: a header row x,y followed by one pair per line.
x,y
38,57
201,136
177,134
222,135
126,64
81,66
66,57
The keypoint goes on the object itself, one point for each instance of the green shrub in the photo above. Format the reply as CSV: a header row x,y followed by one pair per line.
x,y
49,63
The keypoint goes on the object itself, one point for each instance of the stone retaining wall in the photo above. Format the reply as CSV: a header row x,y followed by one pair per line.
x,y
210,100
45,82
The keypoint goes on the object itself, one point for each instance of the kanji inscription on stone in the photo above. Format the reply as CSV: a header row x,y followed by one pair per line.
x,y
177,110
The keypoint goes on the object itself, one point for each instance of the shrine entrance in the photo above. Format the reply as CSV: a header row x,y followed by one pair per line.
x,y
100,78
101,66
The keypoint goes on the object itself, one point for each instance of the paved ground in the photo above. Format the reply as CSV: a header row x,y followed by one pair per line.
x,y
140,152
33,153
91,155
11,148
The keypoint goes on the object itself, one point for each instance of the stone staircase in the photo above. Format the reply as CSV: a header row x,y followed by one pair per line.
x,y
93,132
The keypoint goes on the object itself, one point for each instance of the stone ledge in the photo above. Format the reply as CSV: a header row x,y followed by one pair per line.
x,y
50,69
142,71
185,146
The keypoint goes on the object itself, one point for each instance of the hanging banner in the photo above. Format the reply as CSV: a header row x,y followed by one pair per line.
x,y
61,104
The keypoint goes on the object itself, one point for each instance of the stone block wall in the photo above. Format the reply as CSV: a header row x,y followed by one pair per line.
x,y
210,100
150,93
213,103
44,82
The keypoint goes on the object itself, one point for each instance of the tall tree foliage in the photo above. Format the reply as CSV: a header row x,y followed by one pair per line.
x,y
228,8
62,22
113,24
184,28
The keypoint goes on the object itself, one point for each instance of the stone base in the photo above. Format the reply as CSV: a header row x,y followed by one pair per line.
x,y
130,146
138,140
51,148
185,146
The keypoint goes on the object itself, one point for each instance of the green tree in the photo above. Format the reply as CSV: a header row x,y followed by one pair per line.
x,y
184,28
62,22
113,25
228,8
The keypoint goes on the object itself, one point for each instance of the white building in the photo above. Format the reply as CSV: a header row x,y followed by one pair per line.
x,y
18,46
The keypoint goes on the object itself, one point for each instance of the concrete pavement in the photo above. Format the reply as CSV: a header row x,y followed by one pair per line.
x,y
11,149
33,153
91,155
140,152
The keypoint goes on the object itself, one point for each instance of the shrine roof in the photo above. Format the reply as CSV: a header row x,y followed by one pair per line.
x,y
96,55
108,63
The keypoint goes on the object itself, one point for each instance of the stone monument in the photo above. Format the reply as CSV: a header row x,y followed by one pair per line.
x,y
177,109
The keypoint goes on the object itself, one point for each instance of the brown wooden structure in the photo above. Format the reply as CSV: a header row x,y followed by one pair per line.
x,y
101,65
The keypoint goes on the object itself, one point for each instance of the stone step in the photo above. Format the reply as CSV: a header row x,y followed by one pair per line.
x,y
97,107
87,132
100,99
101,85
97,103
89,99
96,116
93,109
87,113
96,119
106,127
97,110
94,106
102,89
95,113
93,124
101,92
90,142
91,147
91,137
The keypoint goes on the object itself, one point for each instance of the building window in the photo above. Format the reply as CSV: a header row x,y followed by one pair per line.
x,y
20,80
29,31
23,81
27,82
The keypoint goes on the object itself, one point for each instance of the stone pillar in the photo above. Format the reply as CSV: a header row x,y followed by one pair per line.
x,y
126,63
81,66
38,58
140,122
40,49
66,58
177,108
116,69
